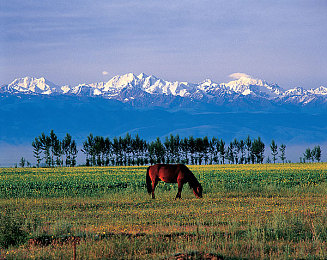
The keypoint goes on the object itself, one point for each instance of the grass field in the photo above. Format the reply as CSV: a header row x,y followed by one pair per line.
x,y
248,211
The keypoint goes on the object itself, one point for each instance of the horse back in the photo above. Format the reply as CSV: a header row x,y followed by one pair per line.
x,y
169,173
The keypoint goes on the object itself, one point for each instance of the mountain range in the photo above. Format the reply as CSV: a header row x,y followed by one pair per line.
x,y
145,91
153,107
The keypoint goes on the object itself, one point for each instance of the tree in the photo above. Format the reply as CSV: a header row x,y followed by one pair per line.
x,y
185,149
69,149
242,150
205,149
22,162
156,152
65,145
316,153
88,150
268,160
127,146
222,151
200,148
73,153
229,153
139,149
46,146
274,150
119,150
99,150
282,149
308,154
192,148
169,143
258,149
37,146
107,150
248,145
172,145
58,152
177,148
236,150
213,150
55,148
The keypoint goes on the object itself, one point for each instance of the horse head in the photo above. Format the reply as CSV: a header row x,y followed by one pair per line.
x,y
198,191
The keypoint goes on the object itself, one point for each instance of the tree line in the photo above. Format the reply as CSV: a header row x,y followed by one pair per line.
x,y
311,155
53,151
136,151
50,151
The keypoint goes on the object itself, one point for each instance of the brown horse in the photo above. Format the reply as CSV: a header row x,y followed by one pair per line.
x,y
172,173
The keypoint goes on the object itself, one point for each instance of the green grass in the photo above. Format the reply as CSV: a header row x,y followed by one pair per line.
x,y
81,182
251,211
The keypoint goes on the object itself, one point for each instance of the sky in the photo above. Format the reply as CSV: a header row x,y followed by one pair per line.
x,y
85,41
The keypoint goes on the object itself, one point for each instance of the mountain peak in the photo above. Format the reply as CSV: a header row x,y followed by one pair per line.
x,y
142,76
145,89
247,85
31,85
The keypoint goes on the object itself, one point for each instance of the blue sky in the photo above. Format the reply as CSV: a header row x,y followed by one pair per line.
x,y
71,42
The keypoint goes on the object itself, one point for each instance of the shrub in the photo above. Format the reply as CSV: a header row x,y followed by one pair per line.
x,y
11,232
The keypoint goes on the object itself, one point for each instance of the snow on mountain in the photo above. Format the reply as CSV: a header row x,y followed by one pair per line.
x,y
257,87
319,91
154,85
298,91
65,89
82,90
302,96
130,87
30,85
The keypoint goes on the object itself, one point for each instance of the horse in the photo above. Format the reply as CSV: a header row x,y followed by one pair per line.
x,y
172,173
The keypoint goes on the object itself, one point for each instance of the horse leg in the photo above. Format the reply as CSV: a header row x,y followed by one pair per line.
x,y
154,184
180,187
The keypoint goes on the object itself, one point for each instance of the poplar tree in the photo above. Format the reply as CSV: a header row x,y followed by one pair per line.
x,y
316,153
37,150
282,149
274,150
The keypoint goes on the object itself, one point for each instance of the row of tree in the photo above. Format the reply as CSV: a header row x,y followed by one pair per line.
x,y
136,151
128,150
99,151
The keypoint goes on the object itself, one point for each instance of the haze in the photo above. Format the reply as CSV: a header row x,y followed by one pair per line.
x,y
70,42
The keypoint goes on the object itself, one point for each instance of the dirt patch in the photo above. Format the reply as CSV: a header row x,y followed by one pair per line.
x,y
50,240
197,255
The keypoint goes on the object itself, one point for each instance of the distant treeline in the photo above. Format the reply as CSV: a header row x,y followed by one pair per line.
x,y
128,150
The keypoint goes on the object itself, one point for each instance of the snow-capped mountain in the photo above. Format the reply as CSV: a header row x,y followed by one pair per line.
x,y
258,87
152,90
29,85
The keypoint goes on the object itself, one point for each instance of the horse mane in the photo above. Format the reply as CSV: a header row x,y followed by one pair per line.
x,y
192,180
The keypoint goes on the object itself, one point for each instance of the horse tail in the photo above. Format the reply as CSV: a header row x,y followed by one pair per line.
x,y
148,181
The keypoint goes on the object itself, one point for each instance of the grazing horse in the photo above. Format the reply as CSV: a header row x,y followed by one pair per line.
x,y
172,173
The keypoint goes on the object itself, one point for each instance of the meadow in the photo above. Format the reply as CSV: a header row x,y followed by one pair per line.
x,y
273,211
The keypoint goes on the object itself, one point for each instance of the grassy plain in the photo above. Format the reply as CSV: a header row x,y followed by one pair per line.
x,y
248,211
